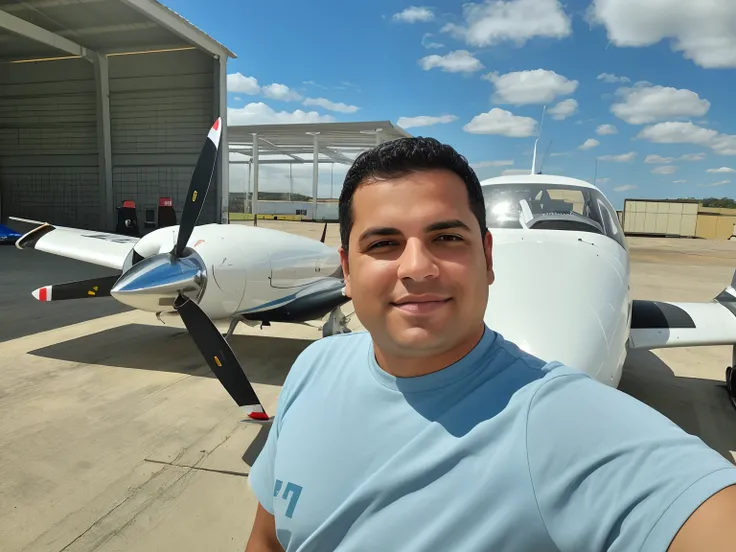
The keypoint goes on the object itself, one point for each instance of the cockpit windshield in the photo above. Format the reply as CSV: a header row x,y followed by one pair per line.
x,y
550,206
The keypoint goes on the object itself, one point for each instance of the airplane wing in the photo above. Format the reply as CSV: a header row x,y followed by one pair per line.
x,y
98,248
659,325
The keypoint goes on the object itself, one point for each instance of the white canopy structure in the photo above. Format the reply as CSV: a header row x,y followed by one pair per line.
x,y
303,143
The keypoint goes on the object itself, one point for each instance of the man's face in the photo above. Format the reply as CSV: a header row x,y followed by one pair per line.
x,y
417,268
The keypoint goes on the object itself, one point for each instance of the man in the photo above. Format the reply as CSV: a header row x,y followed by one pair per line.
x,y
431,432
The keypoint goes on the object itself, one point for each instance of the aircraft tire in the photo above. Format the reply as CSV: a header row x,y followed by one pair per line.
x,y
731,385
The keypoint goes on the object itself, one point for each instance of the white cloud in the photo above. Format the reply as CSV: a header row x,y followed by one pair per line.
x,y
281,92
720,183
530,87
414,14
647,104
602,180
688,133
623,158
625,188
664,169
429,44
704,31
258,113
237,98
459,61
590,143
564,109
331,106
721,170
237,82
610,78
677,133
693,157
605,130
424,120
658,159
500,121
483,164
517,21
679,181
509,172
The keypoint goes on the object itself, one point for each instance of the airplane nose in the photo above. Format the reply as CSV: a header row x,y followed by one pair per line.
x,y
154,283
561,301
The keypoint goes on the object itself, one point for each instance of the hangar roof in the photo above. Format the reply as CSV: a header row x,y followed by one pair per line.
x,y
288,141
40,29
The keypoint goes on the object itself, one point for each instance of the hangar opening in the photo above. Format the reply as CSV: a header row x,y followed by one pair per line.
x,y
104,102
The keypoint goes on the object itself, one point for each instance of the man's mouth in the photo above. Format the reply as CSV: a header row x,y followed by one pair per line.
x,y
421,304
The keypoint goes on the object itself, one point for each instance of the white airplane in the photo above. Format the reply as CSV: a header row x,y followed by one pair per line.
x,y
561,292
203,273
562,289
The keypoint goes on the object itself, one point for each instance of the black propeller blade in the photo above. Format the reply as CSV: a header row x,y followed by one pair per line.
x,y
198,187
324,234
220,357
83,289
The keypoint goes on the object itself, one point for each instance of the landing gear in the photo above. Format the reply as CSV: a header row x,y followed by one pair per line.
x,y
337,323
731,378
234,323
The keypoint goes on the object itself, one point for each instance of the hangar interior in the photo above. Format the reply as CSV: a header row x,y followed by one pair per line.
x,y
321,145
102,102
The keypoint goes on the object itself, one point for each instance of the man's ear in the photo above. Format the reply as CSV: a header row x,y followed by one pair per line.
x,y
345,268
488,250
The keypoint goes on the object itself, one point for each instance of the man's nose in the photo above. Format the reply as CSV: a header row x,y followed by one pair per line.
x,y
416,262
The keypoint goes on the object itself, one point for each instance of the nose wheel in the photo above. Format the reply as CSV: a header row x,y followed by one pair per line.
x,y
731,378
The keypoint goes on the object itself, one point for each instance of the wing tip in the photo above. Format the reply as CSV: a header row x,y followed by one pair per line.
x,y
30,239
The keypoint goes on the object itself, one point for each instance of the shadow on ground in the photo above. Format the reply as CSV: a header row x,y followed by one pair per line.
x,y
699,406
264,359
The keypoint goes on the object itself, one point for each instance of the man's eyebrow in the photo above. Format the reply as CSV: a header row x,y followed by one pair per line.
x,y
434,227
379,231
447,225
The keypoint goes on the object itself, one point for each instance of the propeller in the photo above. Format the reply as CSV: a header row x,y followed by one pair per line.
x,y
82,289
219,357
175,270
198,187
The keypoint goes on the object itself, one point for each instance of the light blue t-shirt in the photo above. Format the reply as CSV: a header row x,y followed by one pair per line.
x,y
500,451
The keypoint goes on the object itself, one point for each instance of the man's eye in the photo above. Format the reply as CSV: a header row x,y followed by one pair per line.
x,y
384,243
449,237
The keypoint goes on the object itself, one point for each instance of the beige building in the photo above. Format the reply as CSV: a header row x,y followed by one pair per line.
x,y
684,218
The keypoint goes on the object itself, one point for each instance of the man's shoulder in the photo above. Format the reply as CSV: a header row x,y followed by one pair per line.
x,y
323,356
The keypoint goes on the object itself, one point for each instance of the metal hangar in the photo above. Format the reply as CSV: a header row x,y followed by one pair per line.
x,y
104,102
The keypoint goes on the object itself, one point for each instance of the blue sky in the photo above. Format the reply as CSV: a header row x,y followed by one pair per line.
x,y
482,72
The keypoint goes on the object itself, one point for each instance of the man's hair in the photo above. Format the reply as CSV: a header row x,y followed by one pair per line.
x,y
399,157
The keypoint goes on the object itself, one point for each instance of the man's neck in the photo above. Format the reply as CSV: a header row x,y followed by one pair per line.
x,y
403,366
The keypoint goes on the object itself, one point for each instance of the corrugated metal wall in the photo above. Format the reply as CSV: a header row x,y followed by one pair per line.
x,y
662,218
161,108
48,142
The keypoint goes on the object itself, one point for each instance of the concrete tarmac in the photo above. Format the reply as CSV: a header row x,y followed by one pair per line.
x,y
115,436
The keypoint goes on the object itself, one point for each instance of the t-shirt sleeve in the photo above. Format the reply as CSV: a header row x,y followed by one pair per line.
x,y
261,477
611,473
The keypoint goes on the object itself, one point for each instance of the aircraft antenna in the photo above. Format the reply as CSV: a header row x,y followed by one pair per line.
x,y
595,172
536,142
544,157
